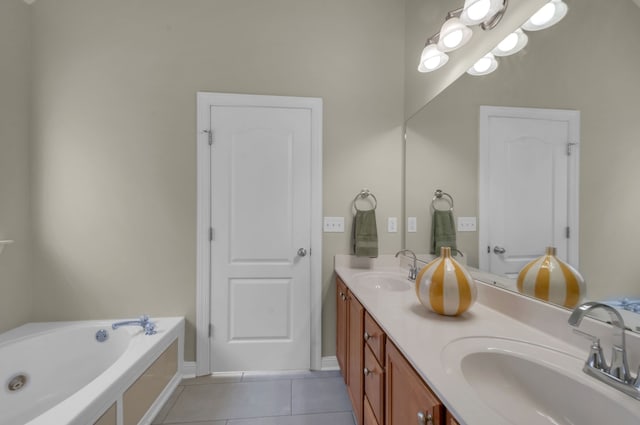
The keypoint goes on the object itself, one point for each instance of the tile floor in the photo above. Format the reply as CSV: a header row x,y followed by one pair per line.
x,y
260,398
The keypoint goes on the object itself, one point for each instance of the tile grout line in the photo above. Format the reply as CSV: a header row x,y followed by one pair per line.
x,y
291,397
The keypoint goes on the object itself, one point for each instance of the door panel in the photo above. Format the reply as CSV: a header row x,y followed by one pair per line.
x,y
527,176
260,212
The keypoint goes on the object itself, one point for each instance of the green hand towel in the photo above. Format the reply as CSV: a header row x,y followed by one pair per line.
x,y
365,234
443,231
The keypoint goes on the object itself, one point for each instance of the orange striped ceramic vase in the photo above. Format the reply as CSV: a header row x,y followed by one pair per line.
x,y
445,287
550,279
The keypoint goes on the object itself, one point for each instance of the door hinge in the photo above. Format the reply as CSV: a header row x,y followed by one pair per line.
x,y
570,148
210,330
568,232
209,136
211,234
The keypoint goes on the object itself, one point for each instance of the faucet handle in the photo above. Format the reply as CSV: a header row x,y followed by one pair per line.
x,y
596,357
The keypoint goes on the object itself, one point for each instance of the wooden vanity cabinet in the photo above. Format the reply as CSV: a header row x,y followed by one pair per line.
x,y
383,387
355,356
350,345
341,326
409,400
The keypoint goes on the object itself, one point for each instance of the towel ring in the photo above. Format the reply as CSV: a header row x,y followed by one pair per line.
x,y
439,195
364,194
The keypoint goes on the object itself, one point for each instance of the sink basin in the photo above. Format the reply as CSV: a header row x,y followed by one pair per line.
x,y
534,385
383,281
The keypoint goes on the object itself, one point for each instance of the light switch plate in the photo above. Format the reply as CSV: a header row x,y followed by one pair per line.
x,y
334,224
412,224
392,224
466,224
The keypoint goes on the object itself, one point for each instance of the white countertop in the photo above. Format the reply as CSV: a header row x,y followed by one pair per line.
x,y
422,335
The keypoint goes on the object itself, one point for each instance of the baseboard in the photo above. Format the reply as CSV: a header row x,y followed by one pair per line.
x,y
189,370
330,363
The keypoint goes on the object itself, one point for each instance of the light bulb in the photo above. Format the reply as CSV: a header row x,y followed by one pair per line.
x,y
432,58
453,35
544,15
479,10
482,65
485,65
453,39
476,11
548,15
509,42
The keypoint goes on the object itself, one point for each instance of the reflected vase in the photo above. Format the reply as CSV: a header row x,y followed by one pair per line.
x,y
550,279
445,287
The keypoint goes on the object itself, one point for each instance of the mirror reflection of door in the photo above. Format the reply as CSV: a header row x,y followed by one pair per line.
x,y
528,191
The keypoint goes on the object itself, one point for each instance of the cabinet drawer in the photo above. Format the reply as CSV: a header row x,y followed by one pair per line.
x,y
374,384
374,337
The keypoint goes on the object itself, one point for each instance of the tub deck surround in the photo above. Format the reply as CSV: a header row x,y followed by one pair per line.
x,y
94,398
422,335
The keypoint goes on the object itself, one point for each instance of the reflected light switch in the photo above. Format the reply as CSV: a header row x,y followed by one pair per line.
x,y
466,224
412,224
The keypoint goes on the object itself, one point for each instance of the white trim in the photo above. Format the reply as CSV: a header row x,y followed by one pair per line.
x,y
188,370
573,119
203,299
330,363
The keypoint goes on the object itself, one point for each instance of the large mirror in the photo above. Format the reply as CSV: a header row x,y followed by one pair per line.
x,y
589,62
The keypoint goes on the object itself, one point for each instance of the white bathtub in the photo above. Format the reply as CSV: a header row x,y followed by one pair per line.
x,y
71,378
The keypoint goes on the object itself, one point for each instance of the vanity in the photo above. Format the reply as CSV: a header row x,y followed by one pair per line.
x,y
508,360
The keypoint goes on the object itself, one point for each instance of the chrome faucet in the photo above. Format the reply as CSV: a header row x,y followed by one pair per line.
x,y
413,270
148,326
617,374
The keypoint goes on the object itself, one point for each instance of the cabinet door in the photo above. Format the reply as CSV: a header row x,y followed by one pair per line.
x,y
374,384
408,399
341,327
355,349
369,416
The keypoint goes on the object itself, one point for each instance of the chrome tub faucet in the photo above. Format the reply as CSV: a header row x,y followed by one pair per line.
x,y
617,373
413,270
146,324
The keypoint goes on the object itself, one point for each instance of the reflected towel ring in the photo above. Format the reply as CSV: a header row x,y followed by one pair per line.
x,y
438,195
364,194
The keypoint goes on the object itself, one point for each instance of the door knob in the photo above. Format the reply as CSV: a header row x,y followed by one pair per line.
x,y
302,252
499,250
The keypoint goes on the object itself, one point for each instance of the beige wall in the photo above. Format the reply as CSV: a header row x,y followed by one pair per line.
x,y
113,147
568,66
15,282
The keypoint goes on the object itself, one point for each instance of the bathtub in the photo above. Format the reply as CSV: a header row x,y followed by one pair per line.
x,y
58,373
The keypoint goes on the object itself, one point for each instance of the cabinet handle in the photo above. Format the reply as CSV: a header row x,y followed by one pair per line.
x,y
366,336
367,372
425,419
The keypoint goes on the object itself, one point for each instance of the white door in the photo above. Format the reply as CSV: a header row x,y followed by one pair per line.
x,y
260,215
528,187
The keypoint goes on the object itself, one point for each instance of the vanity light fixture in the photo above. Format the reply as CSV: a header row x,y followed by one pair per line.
x,y
453,35
455,32
511,44
432,58
548,15
485,65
